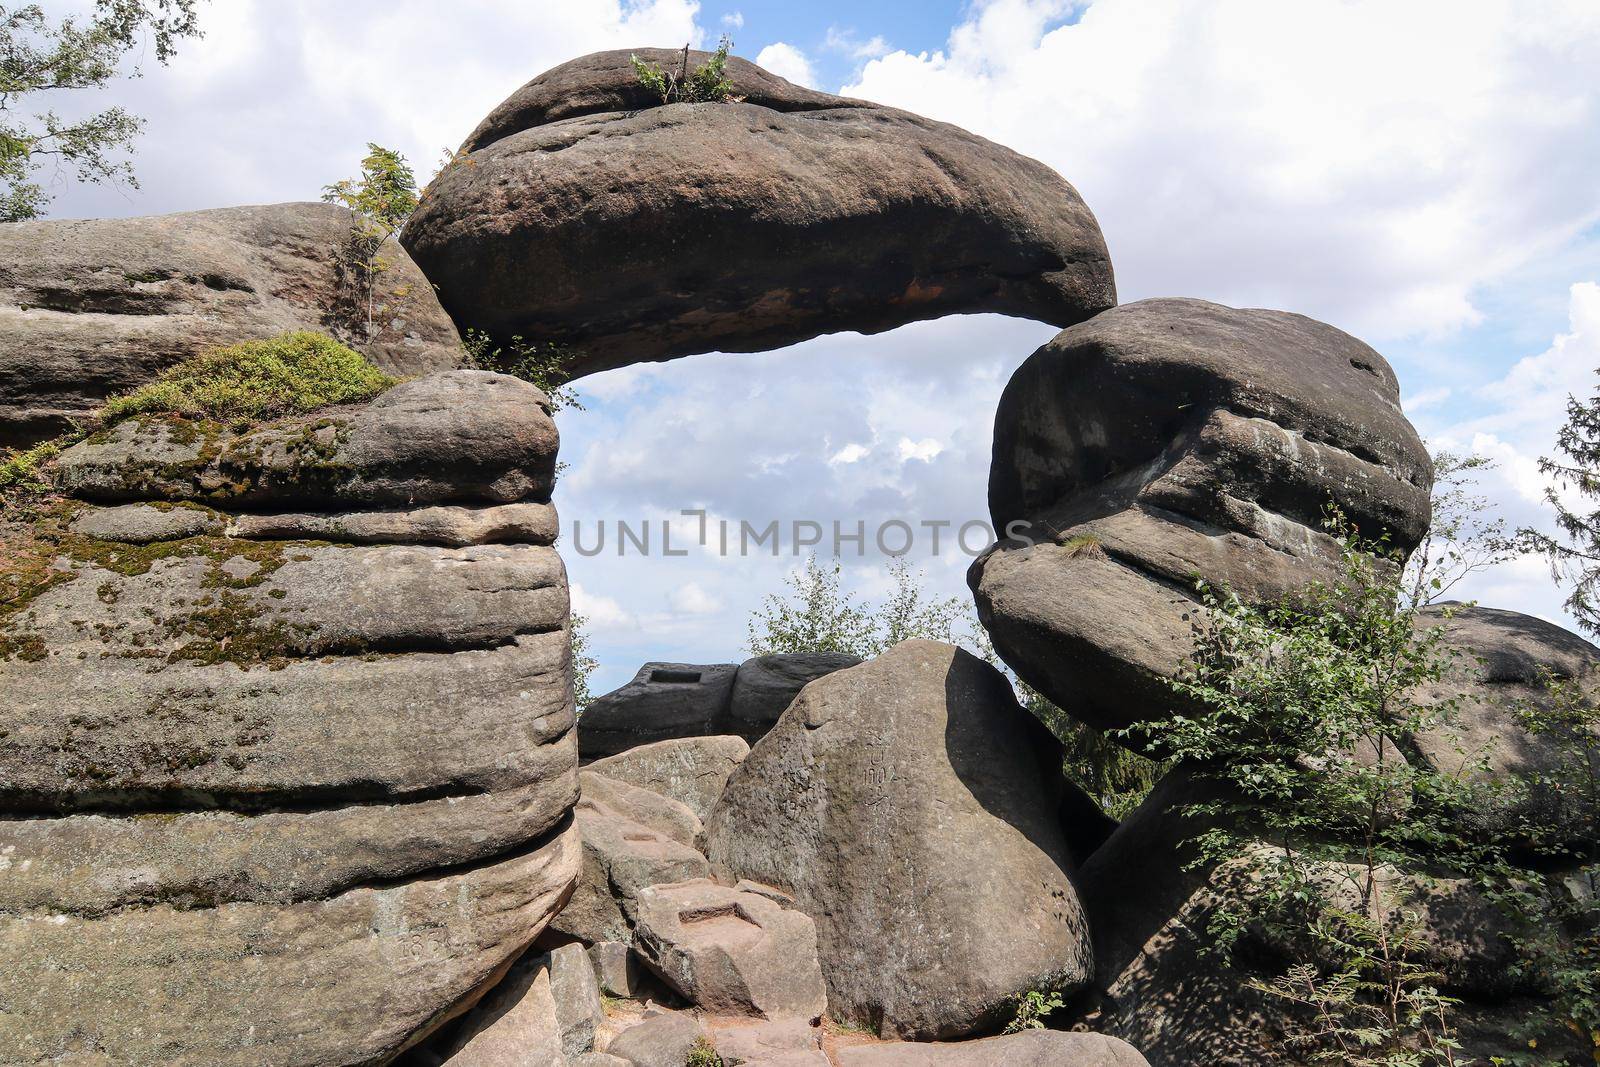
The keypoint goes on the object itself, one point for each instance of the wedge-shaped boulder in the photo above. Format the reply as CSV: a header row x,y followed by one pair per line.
x,y
583,211
909,806
544,1011
690,770
730,951
1167,441
93,307
453,437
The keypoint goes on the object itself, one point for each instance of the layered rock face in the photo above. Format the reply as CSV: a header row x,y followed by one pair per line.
x,y
1169,440
908,805
283,800
95,307
583,211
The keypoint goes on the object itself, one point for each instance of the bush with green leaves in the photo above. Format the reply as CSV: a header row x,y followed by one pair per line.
x,y
542,364
1030,1009
1297,705
382,198
707,83
703,1054
254,381
583,663
78,52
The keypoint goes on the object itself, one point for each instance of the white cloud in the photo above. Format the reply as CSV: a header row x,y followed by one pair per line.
x,y
850,453
850,43
924,450
1362,161
691,599
733,20
1428,398
600,611
787,61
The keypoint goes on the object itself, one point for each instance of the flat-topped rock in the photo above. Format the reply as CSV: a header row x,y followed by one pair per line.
x,y
94,307
583,212
664,700
1031,1048
1167,441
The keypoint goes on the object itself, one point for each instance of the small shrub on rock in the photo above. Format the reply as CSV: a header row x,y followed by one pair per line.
x,y
256,380
1032,1007
702,1054
707,83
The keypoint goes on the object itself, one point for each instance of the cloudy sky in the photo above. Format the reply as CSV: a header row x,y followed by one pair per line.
x,y
1423,174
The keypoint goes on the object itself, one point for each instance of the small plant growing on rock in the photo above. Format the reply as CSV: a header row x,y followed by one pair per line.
x,y
541,364
702,1054
1031,1009
256,380
382,198
707,83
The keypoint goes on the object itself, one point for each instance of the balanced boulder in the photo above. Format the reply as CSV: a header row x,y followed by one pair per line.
x,y
909,807
1167,441
277,800
766,685
584,211
89,308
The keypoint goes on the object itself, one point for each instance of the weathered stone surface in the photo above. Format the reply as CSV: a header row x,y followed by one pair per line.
x,y
516,1024
660,813
775,1043
617,968
621,856
909,805
766,685
1031,1048
586,213
1165,440
454,437
731,952
1502,660
142,524
661,1041
348,979
690,770
579,1010
452,527
278,801
664,700
89,308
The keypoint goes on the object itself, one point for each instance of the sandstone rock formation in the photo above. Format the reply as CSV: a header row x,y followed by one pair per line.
x,y
1167,440
908,805
766,685
690,770
664,700
89,308
1032,1048
1503,660
675,700
584,212
632,838
275,800
546,1010
731,951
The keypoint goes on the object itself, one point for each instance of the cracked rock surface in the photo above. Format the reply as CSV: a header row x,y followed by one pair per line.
x,y
1169,440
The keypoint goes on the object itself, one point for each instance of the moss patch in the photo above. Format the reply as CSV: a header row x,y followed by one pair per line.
x,y
256,380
